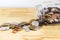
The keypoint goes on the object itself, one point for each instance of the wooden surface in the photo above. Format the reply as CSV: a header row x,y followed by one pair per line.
x,y
17,14
49,32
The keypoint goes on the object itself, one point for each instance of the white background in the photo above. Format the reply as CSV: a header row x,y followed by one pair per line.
x,y
23,3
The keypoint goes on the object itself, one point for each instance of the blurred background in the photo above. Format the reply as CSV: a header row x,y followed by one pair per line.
x,y
24,10
20,10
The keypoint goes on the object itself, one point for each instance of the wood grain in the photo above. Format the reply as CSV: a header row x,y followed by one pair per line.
x,y
17,14
49,32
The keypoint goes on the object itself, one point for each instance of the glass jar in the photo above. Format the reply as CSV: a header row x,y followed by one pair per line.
x,y
49,12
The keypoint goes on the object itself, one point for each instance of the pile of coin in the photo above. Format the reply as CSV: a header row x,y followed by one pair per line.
x,y
32,25
49,15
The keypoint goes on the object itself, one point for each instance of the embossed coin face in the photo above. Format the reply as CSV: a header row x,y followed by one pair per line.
x,y
35,23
